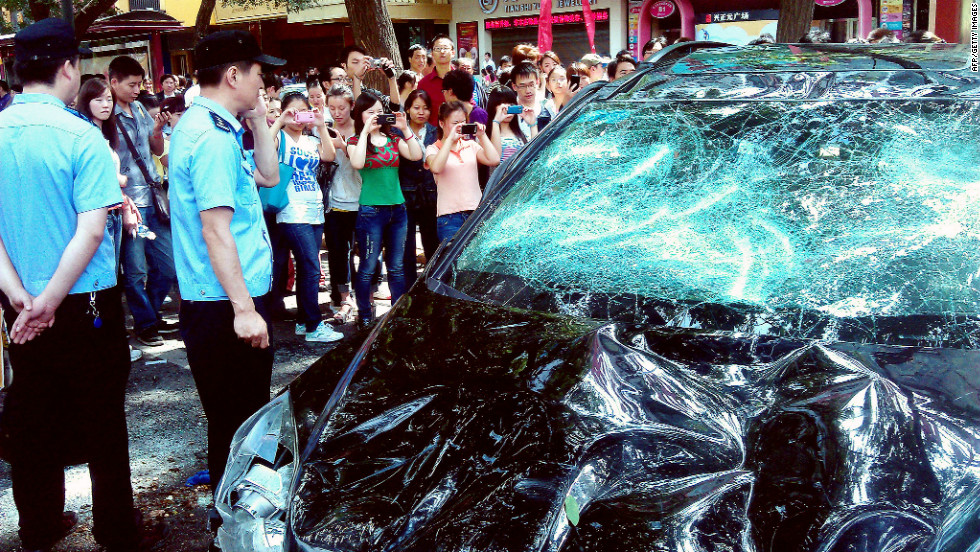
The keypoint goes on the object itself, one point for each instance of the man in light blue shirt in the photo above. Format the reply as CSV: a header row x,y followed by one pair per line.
x,y
221,245
60,299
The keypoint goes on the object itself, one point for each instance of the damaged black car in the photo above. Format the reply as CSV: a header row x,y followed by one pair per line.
x,y
729,303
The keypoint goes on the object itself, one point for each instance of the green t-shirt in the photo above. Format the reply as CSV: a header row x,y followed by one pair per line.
x,y
379,177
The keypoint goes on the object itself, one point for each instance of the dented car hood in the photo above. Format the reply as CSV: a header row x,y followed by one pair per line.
x,y
469,427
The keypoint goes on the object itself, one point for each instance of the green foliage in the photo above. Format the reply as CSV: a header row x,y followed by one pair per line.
x,y
291,5
54,7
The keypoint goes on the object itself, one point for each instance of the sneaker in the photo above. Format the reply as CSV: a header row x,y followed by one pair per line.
x,y
134,354
152,535
149,337
324,334
300,329
167,327
68,522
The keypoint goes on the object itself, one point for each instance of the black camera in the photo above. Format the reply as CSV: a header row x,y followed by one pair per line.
x,y
386,119
468,132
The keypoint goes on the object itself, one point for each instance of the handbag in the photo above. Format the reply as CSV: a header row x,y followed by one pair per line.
x,y
275,199
161,199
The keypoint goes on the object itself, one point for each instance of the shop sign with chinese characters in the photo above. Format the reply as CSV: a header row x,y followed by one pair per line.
x,y
532,20
662,9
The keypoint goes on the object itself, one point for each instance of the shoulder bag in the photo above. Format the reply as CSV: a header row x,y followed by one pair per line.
x,y
161,200
275,199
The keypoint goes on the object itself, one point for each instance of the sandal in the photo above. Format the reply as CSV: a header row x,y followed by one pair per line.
x,y
344,315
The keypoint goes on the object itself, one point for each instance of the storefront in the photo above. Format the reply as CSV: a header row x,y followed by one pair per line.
x,y
138,34
843,19
496,26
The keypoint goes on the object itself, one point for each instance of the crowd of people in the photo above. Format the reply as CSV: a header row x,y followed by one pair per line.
x,y
215,188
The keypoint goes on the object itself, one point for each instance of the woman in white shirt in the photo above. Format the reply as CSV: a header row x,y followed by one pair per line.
x,y
301,221
345,192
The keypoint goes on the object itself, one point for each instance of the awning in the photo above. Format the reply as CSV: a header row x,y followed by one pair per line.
x,y
141,21
129,23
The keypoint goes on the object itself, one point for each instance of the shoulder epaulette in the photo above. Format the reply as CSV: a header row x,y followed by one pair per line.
x,y
221,123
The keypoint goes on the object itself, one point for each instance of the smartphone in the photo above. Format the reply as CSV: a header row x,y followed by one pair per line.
x,y
386,119
574,81
515,110
303,117
468,131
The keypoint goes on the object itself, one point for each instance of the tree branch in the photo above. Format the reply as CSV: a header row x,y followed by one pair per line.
x,y
203,22
89,13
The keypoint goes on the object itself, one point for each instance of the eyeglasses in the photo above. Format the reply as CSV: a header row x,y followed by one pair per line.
x,y
525,86
443,49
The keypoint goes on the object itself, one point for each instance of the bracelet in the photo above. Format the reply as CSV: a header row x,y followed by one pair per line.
x,y
412,137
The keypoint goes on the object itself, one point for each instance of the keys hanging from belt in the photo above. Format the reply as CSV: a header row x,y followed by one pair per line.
x,y
94,311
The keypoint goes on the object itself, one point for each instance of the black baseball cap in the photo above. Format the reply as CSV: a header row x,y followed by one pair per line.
x,y
47,39
228,47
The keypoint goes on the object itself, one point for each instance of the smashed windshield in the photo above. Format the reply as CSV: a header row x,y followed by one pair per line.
x,y
780,217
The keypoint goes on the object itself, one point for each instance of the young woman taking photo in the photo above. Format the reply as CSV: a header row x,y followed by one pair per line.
x,y
454,161
301,221
381,219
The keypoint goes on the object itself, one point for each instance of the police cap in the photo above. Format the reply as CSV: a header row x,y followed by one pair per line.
x,y
45,40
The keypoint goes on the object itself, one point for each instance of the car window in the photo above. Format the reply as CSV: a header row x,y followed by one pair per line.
x,y
773,217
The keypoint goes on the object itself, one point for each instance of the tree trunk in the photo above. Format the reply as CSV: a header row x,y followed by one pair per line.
x,y
203,23
795,18
374,32
89,13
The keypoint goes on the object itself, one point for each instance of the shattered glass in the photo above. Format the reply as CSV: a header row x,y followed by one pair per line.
x,y
828,219
824,57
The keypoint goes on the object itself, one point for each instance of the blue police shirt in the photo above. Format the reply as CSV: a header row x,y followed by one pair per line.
x,y
54,164
209,169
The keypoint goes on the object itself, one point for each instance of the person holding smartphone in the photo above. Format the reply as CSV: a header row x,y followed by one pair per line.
x,y
454,161
506,133
301,220
374,151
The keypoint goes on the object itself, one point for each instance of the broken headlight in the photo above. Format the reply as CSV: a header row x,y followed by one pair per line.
x,y
252,496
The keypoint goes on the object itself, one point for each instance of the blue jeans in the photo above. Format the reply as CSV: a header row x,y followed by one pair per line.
x,y
304,242
379,226
113,224
448,225
148,271
280,266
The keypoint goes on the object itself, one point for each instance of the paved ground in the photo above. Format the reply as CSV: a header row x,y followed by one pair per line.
x,y
167,443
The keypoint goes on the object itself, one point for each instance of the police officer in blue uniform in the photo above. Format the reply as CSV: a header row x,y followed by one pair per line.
x,y
221,245
61,302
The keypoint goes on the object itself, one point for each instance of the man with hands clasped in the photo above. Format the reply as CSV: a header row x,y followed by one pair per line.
x,y
221,244
454,161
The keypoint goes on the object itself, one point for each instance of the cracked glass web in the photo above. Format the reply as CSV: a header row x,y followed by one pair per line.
x,y
858,210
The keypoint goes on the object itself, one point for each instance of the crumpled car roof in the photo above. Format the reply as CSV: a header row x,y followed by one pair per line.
x,y
529,432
